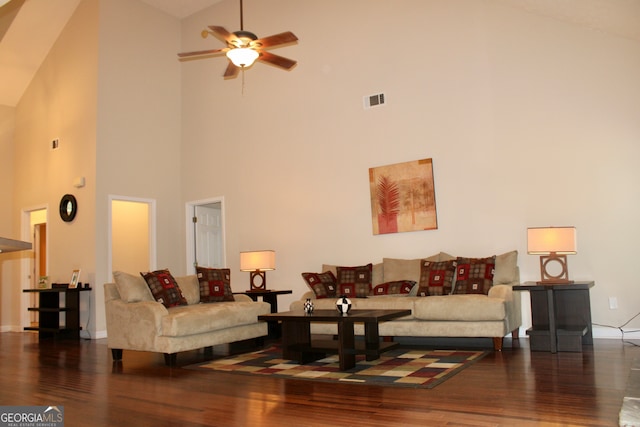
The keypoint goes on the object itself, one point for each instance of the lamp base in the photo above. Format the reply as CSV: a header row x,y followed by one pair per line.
x,y
262,285
554,282
548,277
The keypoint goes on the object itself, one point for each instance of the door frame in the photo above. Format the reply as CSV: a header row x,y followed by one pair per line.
x,y
25,262
190,240
152,229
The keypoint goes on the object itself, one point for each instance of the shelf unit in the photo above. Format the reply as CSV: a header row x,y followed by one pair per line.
x,y
49,309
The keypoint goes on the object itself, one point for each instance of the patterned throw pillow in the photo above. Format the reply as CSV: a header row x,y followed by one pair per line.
x,y
215,284
474,275
399,287
354,281
322,284
164,288
436,278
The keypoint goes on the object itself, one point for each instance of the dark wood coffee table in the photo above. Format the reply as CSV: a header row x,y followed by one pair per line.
x,y
298,345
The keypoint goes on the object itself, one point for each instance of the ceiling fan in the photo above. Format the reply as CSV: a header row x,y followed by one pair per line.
x,y
244,47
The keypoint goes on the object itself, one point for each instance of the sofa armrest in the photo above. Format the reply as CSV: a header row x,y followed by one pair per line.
x,y
299,305
513,301
134,325
242,297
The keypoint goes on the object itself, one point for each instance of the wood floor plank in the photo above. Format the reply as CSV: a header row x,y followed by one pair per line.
x,y
508,388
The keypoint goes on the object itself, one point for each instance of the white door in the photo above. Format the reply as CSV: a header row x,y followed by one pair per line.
x,y
208,235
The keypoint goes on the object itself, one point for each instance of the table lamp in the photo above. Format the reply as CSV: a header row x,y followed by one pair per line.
x,y
257,263
553,244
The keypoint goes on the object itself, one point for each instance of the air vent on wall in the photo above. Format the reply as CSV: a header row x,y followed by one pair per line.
x,y
376,100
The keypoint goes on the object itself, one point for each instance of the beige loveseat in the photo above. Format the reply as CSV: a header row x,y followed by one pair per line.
x,y
135,321
492,316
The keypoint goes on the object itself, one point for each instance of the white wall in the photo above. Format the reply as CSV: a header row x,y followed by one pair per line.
x,y
8,262
60,102
529,121
138,130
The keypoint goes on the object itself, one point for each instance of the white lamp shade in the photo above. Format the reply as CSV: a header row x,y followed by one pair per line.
x,y
547,240
242,56
257,260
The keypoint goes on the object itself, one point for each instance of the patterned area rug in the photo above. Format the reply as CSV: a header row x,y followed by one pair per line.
x,y
398,367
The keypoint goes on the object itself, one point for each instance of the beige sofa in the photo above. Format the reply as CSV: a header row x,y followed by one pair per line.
x,y
492,316
135,321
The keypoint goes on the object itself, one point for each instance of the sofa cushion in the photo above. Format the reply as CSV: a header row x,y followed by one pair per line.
x,y
201,318
474,275
190,288
354,281
404,269
506,268
164,288
400,287
436,278
215,284
132,288
322,284
460,308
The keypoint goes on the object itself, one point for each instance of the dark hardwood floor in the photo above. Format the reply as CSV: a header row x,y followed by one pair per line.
x,y
514,387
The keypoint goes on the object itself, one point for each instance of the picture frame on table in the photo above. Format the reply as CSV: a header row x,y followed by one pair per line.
x,y
75,278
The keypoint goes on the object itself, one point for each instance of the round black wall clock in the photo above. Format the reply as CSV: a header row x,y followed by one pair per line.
x,y
68,207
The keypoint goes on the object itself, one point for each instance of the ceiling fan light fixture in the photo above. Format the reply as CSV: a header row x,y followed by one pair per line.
x,y
242,56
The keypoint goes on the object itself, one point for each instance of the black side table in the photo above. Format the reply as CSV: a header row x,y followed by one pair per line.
x,y
560,316
270,297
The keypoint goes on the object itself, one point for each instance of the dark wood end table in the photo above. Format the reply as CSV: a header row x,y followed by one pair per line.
x,y
270,297
298,345
560,316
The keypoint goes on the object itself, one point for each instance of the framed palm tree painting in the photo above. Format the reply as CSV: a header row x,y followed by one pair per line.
x,y
403,197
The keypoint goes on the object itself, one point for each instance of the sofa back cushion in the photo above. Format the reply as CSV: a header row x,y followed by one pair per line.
x,y
190,288
507,269
132,288
215,284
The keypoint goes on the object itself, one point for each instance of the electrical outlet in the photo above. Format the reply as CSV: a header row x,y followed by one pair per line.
x,y
613,303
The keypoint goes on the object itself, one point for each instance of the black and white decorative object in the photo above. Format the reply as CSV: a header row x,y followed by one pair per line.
x,y
343,305
308,306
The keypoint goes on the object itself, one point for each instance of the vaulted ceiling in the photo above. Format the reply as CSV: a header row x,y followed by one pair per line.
x,y
28,28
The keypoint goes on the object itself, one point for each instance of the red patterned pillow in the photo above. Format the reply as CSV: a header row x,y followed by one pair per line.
x,y
436,278
322,284
164,288
354,281
399,287
215,284
474,275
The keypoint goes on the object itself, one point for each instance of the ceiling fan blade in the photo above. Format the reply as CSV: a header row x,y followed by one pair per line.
x,y
202,52
222,34
231,71
278,61
275,40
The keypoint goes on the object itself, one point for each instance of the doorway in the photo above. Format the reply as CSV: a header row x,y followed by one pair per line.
x,y
34,230
205,234
132,235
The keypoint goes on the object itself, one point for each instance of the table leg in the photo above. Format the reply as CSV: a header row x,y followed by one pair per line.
x,y
296,337
372,340
346,345
553,340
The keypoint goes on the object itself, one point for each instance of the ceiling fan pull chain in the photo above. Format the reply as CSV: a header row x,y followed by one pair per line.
x,y
242,70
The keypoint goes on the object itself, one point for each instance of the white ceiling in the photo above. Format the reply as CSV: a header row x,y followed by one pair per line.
x,y
22,49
